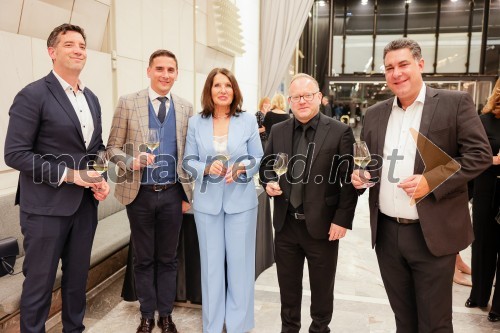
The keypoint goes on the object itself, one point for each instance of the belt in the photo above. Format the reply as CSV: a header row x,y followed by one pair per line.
x,y
297,216
158,187
399,219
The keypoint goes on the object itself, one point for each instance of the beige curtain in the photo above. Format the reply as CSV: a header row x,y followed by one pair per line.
x,y
282,22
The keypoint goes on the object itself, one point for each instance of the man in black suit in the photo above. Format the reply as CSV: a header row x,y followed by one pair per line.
x,y
54,129
419,213
313,204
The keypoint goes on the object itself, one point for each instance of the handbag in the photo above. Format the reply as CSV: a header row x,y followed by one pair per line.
x,y
8,253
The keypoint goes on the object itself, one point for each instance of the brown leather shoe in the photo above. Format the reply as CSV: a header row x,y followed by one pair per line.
x,y
167,325
146,326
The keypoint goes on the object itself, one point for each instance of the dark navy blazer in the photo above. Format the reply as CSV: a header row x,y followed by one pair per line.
x,y
44,136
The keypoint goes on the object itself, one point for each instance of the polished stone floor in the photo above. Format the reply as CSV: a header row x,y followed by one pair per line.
x,y
361,303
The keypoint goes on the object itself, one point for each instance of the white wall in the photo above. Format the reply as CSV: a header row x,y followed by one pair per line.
x,y
244,67
134,29
247,66
141,27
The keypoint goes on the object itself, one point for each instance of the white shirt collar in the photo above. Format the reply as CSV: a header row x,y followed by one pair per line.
x,y
420,98
153,95
65,84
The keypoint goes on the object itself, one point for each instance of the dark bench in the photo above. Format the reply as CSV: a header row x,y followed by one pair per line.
x,y
109,254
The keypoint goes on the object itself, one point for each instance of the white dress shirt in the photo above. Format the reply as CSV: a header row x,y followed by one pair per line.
x,y
393,201
153,95
79,102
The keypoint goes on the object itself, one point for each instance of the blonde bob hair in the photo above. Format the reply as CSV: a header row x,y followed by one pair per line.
x,y
278,102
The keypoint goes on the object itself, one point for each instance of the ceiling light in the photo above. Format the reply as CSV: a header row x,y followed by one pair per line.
x,y
364,2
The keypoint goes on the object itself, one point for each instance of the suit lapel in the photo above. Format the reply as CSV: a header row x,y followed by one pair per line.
x,y
142,109
181,122
206,130
430,104
383,120
61,97
319,137
93,112
235,134
287,137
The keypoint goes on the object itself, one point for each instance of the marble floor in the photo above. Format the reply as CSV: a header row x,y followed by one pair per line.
x,y
361,303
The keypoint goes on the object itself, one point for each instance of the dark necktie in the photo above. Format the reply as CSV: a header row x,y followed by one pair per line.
x,y
296,195
162,111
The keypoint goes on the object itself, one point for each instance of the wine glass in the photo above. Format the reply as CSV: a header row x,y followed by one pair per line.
x,y
153,142
280,165
362,158
224,157
100,162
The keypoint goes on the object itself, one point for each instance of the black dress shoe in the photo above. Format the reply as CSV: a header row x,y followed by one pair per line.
x,y
167,324
493,317
146,325
470,303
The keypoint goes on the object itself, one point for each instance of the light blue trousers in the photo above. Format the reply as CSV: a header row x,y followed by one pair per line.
x,y
227,237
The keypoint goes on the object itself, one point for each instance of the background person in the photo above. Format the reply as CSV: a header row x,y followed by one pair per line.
x,y
277,113
264,107
223,151
325,107
485,206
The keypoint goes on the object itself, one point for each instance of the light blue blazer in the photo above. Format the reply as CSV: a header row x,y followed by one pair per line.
x,y
244,145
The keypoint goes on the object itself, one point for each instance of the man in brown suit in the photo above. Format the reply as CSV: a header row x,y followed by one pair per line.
x,y
418,205
155,196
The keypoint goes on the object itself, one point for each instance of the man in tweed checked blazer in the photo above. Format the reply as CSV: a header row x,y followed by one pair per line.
x,y
150,185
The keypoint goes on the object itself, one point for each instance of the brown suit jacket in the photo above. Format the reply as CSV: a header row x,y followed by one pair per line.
x,y
449,120
128,136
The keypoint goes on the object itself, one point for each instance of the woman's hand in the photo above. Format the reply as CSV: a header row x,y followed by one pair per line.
x,y
233,172
217,168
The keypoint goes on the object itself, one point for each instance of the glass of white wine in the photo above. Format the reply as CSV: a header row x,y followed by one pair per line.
x,y
100,162
224,157
362,158
153,142
280,165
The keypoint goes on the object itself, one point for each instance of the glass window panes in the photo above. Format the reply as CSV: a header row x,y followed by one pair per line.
x,y
422,16
427,43
452,52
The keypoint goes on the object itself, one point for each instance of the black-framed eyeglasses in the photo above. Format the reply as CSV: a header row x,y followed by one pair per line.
x,y
307,97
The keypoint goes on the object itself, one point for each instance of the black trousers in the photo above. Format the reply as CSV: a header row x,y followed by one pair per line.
x,y
418,284
155,222
293,244
486,250
46,240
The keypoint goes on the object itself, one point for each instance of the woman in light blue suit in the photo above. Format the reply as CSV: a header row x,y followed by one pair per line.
x,y
223,152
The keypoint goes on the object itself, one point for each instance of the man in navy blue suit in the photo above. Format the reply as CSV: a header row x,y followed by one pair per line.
x,y
54,132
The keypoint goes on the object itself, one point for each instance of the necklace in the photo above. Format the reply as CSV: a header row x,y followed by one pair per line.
x,y
220,117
